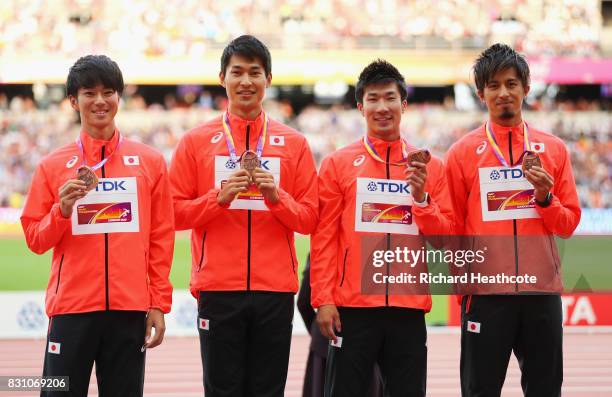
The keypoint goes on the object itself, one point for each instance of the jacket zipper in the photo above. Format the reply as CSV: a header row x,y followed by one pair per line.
x,y
59,273
105,248
202,254
388,234
291,254
248,131
516,264
344,267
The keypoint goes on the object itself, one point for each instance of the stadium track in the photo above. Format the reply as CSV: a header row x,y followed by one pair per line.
x,y
174,369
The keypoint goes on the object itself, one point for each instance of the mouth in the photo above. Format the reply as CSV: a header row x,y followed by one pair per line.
x,y
246,93
100,113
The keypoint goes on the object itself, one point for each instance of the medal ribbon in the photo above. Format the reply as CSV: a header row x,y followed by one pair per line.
x,y
101,163
497,150
229,139
372,150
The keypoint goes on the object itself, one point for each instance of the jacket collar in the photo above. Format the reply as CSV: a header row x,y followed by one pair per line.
x,y
381,146
93,147
239,125
501,132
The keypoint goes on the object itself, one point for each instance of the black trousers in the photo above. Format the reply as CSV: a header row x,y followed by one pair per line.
x,y
394,337
111,339
529,325
245,338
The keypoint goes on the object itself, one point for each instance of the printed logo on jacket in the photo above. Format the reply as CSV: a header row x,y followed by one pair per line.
x,y
112,207
506,194
252,199
384,206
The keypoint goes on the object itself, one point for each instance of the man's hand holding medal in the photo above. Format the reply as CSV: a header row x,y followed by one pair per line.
x,y
416,173
76,189
250,173
541,180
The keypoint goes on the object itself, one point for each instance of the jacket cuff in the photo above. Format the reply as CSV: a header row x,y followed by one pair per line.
x,y
279,205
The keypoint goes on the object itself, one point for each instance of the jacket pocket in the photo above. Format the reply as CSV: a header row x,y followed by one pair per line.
x,y
59,273
344,267
202,254
290,254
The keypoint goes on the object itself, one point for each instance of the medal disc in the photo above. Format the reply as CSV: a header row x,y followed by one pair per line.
x,y
420,155
530,159
86,174
249,161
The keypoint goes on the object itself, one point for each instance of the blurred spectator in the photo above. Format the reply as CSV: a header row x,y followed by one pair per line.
x,y
189,28
26,135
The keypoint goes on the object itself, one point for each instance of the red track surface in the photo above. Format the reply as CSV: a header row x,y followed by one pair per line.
x,y
174,369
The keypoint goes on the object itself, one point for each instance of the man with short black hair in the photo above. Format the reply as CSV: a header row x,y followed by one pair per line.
x,y
513,190
103,205
381,323
244,184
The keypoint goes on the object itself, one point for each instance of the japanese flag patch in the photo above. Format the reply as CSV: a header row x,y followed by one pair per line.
x,y
276,140
131,160
537,147
203,323
54,347
473,326
337,342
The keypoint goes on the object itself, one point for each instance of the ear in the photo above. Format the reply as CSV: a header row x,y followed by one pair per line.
x,y
269,80
527,88
480,94
404,105
360,108
222,79
74,103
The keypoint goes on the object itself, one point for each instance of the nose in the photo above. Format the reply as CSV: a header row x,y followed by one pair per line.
x,y
503,92
99,98
381,106
245,80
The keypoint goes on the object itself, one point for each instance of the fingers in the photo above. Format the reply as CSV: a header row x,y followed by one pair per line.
x,y
72,185
154,320
539,178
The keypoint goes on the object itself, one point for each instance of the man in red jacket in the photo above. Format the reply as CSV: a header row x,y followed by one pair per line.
x,y
372,191
103,205
512,190
244,184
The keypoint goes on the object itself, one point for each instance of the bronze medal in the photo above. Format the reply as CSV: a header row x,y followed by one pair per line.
x,y
420,155
86,174
249,161
530,159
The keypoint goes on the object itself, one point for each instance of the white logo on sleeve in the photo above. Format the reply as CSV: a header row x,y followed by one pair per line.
x,y
480,149
54,347
217,137
276,140
131,160
537,147
72,161
337,343
473,326
204,324
358,160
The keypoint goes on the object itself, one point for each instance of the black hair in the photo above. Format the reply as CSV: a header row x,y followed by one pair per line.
x,y
249,47
496,58
91,70
380,72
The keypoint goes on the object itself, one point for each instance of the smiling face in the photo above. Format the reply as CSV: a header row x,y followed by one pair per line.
x,y
97,106
503,95
382,108
245,82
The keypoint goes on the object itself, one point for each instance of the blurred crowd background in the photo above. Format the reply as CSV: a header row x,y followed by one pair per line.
x,y
191,27
27,134
35,117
